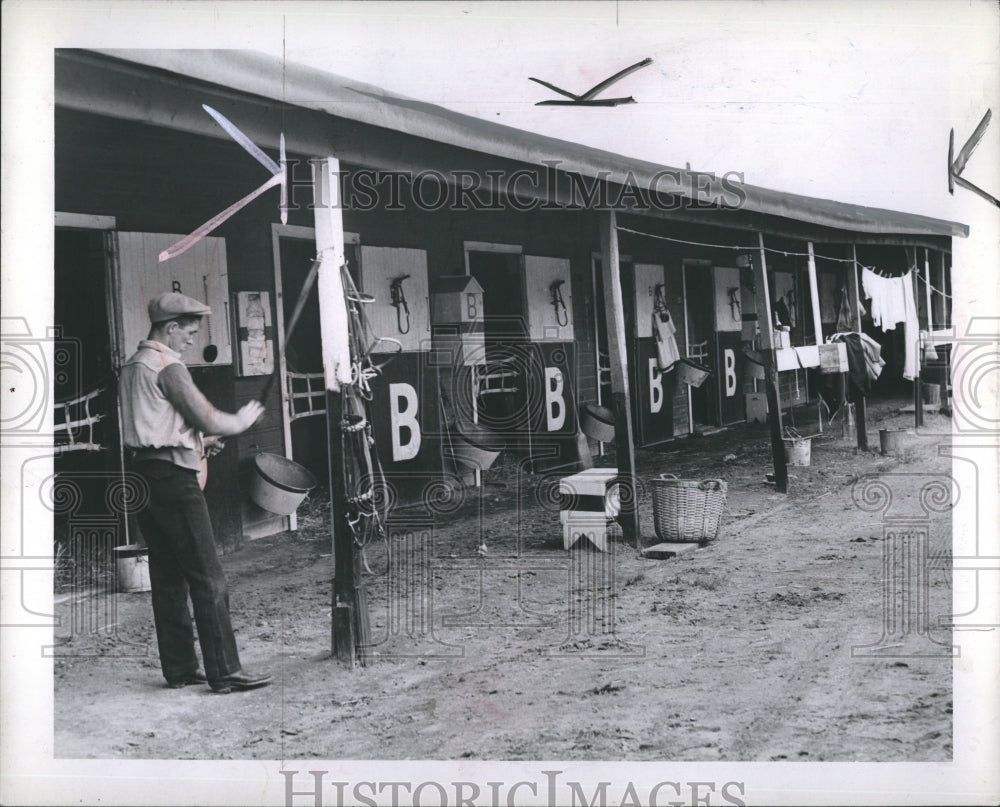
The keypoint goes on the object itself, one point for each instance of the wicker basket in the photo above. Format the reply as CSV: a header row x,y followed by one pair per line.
x,y
685,510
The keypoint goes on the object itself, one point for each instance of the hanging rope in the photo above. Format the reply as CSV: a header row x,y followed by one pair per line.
x,y
930,285
754,248
737,248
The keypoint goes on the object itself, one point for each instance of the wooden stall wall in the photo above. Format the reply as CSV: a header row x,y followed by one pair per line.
x,y
560,241
157,181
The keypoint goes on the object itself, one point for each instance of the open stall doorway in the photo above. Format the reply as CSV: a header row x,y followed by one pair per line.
x,y
502,383
302,382
701,342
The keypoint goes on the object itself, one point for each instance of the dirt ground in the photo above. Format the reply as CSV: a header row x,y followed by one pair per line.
x,y
776,641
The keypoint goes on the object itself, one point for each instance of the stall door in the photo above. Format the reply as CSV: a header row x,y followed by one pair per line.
x,y
653,394
551,377
200,272
728,347
405,407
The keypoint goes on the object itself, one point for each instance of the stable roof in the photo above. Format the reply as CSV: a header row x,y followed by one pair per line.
x,y
311,88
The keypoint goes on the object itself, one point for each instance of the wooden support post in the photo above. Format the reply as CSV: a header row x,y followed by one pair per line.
x,y
927,290
854,299
687,345
946,324
814,296
918,397
930,305
617,346
765,319
349,630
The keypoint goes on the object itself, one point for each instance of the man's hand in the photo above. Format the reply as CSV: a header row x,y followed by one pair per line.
x,y
212,445
250,413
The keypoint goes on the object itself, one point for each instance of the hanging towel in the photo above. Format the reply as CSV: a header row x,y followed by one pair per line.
x,y
873,289
911,329
666,344
895,300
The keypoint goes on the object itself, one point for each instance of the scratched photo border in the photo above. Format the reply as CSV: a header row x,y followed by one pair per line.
x,y
28,772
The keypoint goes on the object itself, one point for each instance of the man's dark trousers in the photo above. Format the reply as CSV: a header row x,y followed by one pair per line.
x,y
182,561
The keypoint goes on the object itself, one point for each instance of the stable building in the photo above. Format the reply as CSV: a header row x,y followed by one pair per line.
x,y
507,279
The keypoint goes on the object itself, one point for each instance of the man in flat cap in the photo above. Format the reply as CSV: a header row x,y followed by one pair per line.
x,y
165,421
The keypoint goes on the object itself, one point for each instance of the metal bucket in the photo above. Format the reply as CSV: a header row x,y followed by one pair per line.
x,y
598,422
798,450
132,565
475,448
890,440
753,367
279,485
692,373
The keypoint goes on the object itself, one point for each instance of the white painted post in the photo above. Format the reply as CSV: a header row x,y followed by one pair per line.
x,y
814,295
618,352
330,250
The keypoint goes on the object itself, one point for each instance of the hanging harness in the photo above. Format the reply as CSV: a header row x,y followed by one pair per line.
x,y
555,290
397,299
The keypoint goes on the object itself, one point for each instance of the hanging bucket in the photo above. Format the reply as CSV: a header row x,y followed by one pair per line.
x,y
691,372
890,440
132,565
798,449
279,485
598,423
475,449
753,367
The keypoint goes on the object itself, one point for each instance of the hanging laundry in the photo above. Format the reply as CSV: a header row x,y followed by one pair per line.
x,y
666,344
873,356
858,378
844,320
911,329
888,303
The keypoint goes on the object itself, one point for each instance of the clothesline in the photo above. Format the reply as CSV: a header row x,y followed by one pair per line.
x,y
931,285
786,253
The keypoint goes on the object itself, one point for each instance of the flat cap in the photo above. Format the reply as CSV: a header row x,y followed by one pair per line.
x,y
174,304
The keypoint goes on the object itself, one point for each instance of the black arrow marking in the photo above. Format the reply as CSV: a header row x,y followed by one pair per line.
x,y
587,98
956,164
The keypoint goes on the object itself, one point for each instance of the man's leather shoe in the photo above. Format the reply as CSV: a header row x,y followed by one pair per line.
x,y
239,681
191,679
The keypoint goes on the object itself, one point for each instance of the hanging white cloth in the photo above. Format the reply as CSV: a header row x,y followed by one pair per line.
x,y
874,290
888,298
666,344
911,329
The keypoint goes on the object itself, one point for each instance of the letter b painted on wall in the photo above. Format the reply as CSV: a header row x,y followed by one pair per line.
x,y
655,387
729,365
403,406
555,403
